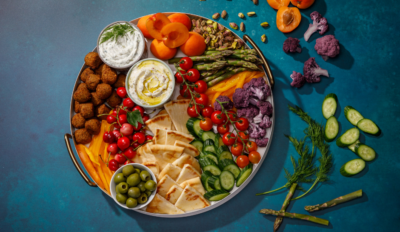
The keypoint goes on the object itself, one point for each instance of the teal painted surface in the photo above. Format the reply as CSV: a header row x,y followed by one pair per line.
x,y
43,44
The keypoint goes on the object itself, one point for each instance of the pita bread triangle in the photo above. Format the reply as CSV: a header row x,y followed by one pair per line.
x,y
189,149
188,172
177,110
160,205
170,170
187,159
164,185
160,137
173,136
160,122
194,183
174,193
165,154
191,199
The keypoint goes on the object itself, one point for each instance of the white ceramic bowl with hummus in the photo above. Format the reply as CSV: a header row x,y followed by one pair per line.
x,y
150,83
120,45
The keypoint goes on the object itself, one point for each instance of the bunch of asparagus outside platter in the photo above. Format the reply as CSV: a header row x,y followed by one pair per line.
x,y
216,66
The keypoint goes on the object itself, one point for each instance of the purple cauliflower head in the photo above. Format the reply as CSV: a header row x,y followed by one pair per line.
x,y
256,132
257,87
241,98
327,46
266,122
249,112
298,79
228,105
319,24
265,107
312,71
291,45
262,142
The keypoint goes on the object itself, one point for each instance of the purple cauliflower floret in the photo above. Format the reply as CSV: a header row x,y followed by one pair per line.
x,y
256,132
265,122
298,79
265,107
241,98
319,24
249,112
327,46
258,88
291,45
262,142
228,105
312,71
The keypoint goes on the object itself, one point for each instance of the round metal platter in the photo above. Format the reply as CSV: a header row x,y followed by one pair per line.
x,y
263,150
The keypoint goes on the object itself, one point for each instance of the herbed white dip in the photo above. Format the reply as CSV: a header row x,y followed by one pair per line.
x,y
120,45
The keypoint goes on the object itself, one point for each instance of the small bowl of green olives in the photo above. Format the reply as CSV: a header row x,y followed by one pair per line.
x,y
133,186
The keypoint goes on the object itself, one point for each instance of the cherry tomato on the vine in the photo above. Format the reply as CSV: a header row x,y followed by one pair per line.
x,y
186,63
206,124
192,75
242,124
237,149
121,92
129,152
254,157
251,146
128,103
207,111
139,137
145,117
244,137
128,162
123,143
184,91
223,128
200,86
228,138
218,117
191,110
178,76
120,158
141,110
122,119
232,115
149,137
113,165
111,119
242,161
201,99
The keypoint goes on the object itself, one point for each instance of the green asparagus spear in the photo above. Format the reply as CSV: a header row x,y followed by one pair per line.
x,y
210,66
242,63
295,215
279,219
241,51
204,74
250,58
215,75
225,76
336,201
218,55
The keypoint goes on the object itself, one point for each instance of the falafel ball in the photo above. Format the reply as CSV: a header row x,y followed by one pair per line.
x,y
108,75
114,100
120,81
92,81
103,90
93,126
92,59
82,93
96,100
87,110
98,70
103,109
77,107
85,74
83,136
78,121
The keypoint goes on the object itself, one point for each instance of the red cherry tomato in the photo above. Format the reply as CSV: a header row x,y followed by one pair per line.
x,y
192,75
251,146
135,144
243,137
242,161
237,149
113,165
242,124
122,110
184,91
200,86
228,138
223,128
201,99
186,63
108,137
116,126
217,117
111,119
128,162
138,127
232,115
207,111
120,158
254,157
149,137
116,134
141,110
122,119
114,113
121,92
128,103
206,124
145,117
129,153
123,143
139,137
178,76
113,148
191,111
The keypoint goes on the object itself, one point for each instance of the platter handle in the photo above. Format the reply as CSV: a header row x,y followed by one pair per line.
x,y
67,137
271,79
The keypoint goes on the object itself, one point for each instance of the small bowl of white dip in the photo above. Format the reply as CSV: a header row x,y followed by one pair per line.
x,y
120,45
150,83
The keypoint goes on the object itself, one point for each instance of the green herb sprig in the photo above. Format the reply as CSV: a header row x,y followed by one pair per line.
x,y
116,31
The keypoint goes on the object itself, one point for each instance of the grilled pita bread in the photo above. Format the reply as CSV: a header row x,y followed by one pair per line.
x,y
191,199
188,172
143,154
194,183
153,166
160,137
174,193
160,205
162,112
164,185
165,154
189,149
160,122
170,170
173,136
177,111
187,159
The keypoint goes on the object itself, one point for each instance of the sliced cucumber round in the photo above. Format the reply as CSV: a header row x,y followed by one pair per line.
x,y
365,152
227,180
204,180
329,105
352,167
229,165
349,137
209,146
197,144
352,115
331,129
210,155
244,174
216,195
352,147
193,126
214,182
208,164
368,126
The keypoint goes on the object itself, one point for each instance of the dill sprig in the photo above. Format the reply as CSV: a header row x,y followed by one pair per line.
x,y
116,31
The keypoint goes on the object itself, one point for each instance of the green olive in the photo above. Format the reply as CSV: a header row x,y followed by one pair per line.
x,y
134,192
141,186
119,178
127,170
121,198
150,185
142,199
145,175
122,187
137,170
131,202
148,193
133,180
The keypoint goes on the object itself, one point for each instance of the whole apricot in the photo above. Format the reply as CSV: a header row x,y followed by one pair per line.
x,y
194,46
181,18
160,51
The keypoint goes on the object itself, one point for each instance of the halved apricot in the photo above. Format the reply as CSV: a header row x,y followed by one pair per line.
x,y
160,51
194,46
288,18
142,26
174,34
276,4
302,4
181,18
155,23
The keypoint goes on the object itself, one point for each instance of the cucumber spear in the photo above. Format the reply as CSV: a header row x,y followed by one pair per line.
x,y
336,201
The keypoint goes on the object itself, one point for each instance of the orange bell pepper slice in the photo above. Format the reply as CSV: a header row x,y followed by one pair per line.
x,y
89,165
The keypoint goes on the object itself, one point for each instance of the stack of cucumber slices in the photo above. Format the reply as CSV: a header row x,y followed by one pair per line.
x,y
220,171
350,138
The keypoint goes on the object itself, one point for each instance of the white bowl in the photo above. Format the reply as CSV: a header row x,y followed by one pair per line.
x,y
114,193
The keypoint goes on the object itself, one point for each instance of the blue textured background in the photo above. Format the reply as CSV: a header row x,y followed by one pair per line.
x,y
42,46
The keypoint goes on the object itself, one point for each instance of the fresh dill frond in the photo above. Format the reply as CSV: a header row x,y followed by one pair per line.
x,y
116,31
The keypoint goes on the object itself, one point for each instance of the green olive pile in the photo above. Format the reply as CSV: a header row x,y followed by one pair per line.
x,y
133,186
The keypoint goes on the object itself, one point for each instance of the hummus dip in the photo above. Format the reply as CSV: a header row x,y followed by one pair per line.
x,y
150,83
